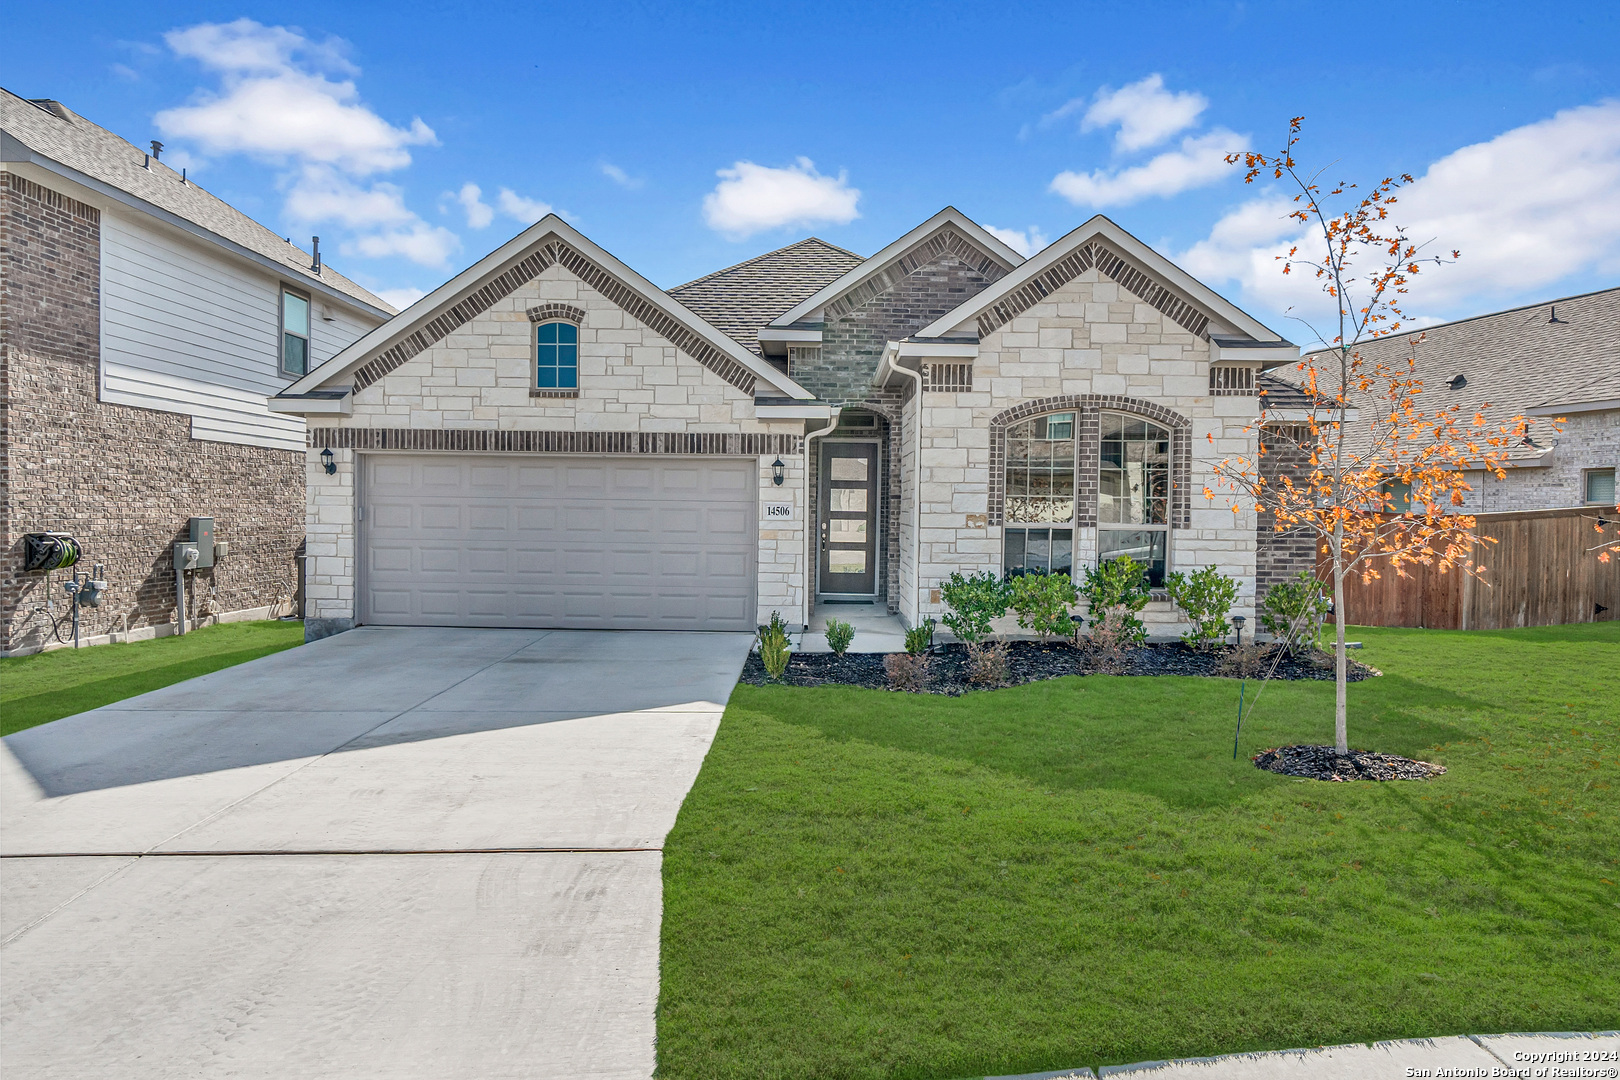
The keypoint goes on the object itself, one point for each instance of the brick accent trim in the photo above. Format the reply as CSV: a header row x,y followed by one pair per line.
x,y
1088,409
552,312
946,241
503,284
948,378
484,440
54,199
573,393
1108,262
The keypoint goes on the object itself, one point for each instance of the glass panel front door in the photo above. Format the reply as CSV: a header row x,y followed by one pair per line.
x,y
848,526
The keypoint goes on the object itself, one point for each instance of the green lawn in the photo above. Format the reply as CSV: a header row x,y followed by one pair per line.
x,y
865,884
47,686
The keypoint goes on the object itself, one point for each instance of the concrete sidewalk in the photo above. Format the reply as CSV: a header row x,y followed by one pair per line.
x,y
403,853
1540,1054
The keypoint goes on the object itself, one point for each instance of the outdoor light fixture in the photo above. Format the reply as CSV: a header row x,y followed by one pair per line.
x,y
331,466
1237,624
778,472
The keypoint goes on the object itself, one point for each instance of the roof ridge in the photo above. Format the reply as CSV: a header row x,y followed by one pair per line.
x,y
1476,318
765,255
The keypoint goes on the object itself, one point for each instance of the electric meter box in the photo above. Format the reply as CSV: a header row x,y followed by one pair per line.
x,y
202,538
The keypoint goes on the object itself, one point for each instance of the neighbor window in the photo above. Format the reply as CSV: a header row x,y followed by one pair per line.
x,y
1040,492
294,333
556,356
1600,487
1133,493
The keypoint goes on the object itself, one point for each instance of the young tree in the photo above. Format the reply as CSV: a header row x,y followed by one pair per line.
x,y
1385,475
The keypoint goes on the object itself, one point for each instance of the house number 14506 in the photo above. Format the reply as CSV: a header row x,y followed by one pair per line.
x,y
778,511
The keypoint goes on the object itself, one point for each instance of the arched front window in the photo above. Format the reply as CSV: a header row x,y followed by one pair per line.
x,y
556,356
1039,536
1133,492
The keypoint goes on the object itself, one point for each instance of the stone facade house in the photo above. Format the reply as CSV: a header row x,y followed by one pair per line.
x,y
549,439
143,322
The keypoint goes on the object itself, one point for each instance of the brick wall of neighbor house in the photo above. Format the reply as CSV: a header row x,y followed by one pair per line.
x,y
1280,556
638,393
1093,339
123,480
1590,440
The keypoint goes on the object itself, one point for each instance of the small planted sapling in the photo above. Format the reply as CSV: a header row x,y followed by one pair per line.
x,y
775,646
839,636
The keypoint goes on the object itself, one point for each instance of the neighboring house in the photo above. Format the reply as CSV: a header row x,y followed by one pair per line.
x,y
143,322
549,439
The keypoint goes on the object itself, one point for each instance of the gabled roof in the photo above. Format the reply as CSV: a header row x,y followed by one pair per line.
x,y
1101,243
948,228
48,134
474,290
740,299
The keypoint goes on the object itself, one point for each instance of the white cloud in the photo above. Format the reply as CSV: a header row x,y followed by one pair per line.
x,y
620,177
286,99
753,198
124,71
1201,160
1526,208
1024,241
401,298
1147,113
479,213
521,209
425,244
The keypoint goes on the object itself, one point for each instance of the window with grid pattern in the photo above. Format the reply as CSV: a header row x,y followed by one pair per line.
x,y
556,356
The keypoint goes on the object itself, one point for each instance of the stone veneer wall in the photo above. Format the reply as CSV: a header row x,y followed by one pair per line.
x,y
475,381
1091,336
123,480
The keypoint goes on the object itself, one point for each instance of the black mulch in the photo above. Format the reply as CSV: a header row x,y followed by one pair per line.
x,y
1324,763
1032,661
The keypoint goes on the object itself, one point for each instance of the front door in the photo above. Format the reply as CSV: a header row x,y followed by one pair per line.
x,y
849,518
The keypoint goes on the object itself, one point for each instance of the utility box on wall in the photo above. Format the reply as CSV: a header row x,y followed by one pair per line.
x,y
202,538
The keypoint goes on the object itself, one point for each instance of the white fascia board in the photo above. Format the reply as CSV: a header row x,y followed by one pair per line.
x,y
510,252
948,216
1266,358
908,350
99,188
1604,405
1101,226
313,406
772,334
805,411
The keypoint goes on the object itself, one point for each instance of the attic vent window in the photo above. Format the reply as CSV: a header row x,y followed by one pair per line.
x,y
1227,381
948,378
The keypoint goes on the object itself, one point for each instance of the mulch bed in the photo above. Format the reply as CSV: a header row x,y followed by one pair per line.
x,y
1324,763
1032,661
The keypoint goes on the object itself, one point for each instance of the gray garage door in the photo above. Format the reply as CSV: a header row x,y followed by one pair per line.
x,y
541,541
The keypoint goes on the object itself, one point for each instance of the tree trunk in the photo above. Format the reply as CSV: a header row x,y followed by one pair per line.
x,y
1341,733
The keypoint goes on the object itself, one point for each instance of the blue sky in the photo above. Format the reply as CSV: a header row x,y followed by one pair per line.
x,y
684,138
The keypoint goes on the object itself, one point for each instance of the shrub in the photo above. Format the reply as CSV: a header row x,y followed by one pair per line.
x,y
920,638
839,635
775,647
1293,612
974,602
1118,583
906,671
1115,631
1206,597
987,664
1042,602
1246,661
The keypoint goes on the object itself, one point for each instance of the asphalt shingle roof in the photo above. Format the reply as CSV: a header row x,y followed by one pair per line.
x,y
53,131
1513,360
741,300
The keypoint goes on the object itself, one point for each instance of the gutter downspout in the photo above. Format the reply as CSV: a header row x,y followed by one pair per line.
x,y
812,562
891,358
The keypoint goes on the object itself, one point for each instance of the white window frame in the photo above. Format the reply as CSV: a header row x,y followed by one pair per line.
x,y
1163,528
1586,486
282,332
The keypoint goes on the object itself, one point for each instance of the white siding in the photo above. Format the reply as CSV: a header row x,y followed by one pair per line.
x,y
188,330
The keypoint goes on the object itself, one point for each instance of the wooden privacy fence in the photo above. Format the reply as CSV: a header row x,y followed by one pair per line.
x,y
1538,573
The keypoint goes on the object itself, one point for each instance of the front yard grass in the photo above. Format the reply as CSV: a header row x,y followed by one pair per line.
x,y
1075,872
51,685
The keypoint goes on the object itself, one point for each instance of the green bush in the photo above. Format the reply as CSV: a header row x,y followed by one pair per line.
x,y
775,647
920,638
839,635
1206,597
1119,583
1293,610
974,602
1042,602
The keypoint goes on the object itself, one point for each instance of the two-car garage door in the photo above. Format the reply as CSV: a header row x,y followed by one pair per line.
x,y
597,542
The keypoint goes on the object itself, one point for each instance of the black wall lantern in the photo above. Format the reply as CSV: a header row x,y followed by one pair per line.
x,y
327,463
778,472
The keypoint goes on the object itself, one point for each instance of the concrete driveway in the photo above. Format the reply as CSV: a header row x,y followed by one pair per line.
x,y
391,853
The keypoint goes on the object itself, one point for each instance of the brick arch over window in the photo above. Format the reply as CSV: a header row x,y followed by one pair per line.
x,y
1088,410
554,312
